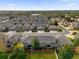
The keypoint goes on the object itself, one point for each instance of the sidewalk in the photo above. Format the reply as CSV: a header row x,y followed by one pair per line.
x,y
56,55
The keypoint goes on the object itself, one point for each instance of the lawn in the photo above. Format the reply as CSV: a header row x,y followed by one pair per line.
x,y
75,57
41,55
71,37
74,30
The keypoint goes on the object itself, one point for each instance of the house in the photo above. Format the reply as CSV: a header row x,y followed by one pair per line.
x,y
46,41
64,22
1,28
74,25
11,40
38,20
53,27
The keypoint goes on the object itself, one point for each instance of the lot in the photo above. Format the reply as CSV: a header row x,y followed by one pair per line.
x,y
75,57
41,55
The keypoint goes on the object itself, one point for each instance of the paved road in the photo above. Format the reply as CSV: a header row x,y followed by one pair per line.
x,y
4,21
65,32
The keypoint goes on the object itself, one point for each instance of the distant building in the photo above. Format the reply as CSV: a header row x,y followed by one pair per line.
x,y
38,20
74,25
64,22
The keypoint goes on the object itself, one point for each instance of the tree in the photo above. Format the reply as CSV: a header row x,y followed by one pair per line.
x,y
21,29
76,42
59,30
21,54
55,23
13,55
34,29
69,19
3,55
46,29
66,52
6,29
35,43
18,53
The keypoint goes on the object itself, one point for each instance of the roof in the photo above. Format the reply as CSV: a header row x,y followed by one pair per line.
x,y
44,40
35,14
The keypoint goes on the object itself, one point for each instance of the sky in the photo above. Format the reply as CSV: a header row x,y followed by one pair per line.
x,y
39,4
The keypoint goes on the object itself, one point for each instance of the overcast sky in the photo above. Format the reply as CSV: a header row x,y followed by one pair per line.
x,y
39,4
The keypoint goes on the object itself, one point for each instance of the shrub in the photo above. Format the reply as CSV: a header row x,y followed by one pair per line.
x,y
35,43
74,33
59,30
34,29
46,29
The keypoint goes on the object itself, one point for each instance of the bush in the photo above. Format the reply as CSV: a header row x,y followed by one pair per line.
x,y
18,53
34,29
74,33
46,29
3,55
76,42
66,52
55,23
59,30
5,30
20,29
12,56
35,43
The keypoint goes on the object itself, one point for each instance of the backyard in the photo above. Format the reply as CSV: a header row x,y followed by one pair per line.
x,y
75,57
41,55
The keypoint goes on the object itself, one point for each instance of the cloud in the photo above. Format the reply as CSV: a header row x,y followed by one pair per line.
x,y
11,4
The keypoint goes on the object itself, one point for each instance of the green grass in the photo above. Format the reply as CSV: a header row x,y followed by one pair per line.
x,y
75,57
41,55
